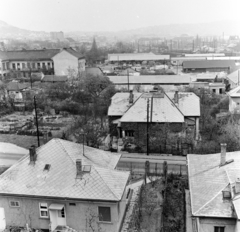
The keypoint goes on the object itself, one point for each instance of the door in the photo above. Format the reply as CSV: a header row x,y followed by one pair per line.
x,y
57,214
2,219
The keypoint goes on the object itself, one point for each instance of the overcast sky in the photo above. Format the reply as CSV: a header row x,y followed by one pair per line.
x,y
113,15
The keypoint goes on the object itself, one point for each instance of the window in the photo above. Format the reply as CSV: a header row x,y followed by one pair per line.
x,y
104,214
129,133
39,65
43,207
219,228
61,213
28,65
18,66
214,90
226,194
220,91
4,67
33,65
72,204
13,66
14,204
23,65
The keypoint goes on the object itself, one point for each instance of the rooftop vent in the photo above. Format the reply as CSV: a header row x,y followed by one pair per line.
x,y
223,160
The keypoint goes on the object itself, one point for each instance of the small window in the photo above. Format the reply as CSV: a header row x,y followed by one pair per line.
x,y
214,90
72,204
14,204
129,133
43,207
23,65
33,65
226,194
104,214
61,213
219,228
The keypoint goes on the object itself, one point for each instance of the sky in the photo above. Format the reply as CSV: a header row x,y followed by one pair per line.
x,y
113,15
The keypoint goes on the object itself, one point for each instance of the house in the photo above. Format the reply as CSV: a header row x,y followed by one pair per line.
x,y
48,61
64,186
209,66
234,100
214,186
129,112
217,87
68,59
234,79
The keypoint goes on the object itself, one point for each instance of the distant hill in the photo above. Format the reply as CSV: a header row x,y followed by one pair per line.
x,y
9,31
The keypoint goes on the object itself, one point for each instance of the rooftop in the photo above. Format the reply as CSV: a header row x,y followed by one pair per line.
x,y
234,92
101,183
209,64
120,103
136,56
161,109
207,180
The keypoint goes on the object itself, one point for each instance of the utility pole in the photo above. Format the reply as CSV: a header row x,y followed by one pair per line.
x,y
35,106
147,126
128,78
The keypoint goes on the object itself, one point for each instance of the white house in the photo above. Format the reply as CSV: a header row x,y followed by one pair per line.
x,y
63,186
214,184
234,100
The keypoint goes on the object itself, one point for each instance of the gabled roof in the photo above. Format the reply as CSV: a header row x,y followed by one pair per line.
x,y
73,52
234,92
101,183
208,64
120,103
16,86
207,180
188,104
28,55
234,76
161,109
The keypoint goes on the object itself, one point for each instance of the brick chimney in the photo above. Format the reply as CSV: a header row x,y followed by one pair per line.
x,y
131,97
32,154
223,153
176,97
79,167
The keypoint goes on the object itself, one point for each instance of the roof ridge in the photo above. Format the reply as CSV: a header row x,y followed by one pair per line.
x,y
104,180
64,149
210,199
174,104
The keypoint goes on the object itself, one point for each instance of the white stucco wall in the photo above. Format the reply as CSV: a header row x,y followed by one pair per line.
x,y
207,224
63,61
233,104
76,216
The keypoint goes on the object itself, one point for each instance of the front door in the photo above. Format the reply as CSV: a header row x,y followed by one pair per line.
x,y
2,219
57,214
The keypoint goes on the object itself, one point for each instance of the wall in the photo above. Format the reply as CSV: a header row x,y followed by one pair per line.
x,y
207,224
76,216
63,61
233,104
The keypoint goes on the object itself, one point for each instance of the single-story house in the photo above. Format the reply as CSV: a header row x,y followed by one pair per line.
x,y
64,186
128,111
234,100
214,184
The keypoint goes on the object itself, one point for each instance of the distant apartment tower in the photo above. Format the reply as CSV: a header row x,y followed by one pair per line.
x,y
57,35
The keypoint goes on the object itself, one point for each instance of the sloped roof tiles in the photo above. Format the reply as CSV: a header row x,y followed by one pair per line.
x,y
101,183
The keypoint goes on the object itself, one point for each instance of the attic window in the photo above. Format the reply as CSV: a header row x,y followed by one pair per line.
x,y
226,194
86,168
47,167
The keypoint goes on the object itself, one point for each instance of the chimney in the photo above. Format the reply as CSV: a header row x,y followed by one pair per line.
x,y
176,97
131,97
223,153
32,154
237,186
79,167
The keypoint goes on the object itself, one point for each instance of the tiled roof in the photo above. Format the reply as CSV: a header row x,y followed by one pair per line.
x,y
189,103
29,55
208,64
234,92
54,78
120,103
101,183
152,79
207,180
161,109
73,52
95,71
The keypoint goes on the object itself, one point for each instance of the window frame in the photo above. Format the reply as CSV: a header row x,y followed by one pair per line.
x,y
99,217
43,209
219,228
14,206
61,213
